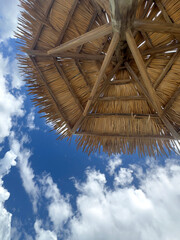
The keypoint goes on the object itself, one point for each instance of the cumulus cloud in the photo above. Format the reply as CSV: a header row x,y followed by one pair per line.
x,y
16,78
148,212
123,178
59,209
30,120
26,172
42,234
10,105
8,21
5,217
114,162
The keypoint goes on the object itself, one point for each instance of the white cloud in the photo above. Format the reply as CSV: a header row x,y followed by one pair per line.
x,y
149,212
30,120
8,21
59,209
5,217
7,162
114,162
17,81
42,234
26,172
10,105
123,178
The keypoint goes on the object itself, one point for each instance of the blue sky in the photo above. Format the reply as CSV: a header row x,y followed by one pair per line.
x,y
49,190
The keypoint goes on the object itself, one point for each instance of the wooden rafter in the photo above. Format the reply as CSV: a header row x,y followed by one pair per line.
x,y
102,71
93,18
104,4
122,98
153,26
161,117
63,76
147,39
122,115
125,136
82,73
163,11
152,97
65,27
58,105
80,56
51,2
142,69
161,49
121,82
165,14
106,62
137,81
172,100
84,38
166,70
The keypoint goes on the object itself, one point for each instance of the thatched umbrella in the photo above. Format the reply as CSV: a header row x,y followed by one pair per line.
x,y
107,71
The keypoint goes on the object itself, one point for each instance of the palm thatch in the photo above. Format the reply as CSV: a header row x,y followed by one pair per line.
x,y
118,96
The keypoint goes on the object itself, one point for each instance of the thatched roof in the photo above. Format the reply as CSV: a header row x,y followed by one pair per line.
x,y
123,100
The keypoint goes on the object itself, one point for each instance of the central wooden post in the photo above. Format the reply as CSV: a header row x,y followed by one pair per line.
x,y
123,14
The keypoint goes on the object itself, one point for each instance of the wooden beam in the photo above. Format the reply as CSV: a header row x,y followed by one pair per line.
x,y
93,18
164,48
142,69
122,15
80,56
163,11
121,82
147,39
51,2
166,70
58,105
84,38
104,4
83,74
123,136
106,62
139,83
63,76
172,100
102,71
152,97
122,98
89,27
123,115
69,17
153,26
165,14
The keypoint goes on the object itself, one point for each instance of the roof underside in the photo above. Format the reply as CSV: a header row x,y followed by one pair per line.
x,y
117,114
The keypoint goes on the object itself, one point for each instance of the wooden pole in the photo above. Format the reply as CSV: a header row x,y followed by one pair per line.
x,y
123,15
147,83
84,38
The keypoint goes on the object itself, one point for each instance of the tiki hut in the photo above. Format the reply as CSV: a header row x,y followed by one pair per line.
x,y
105,71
